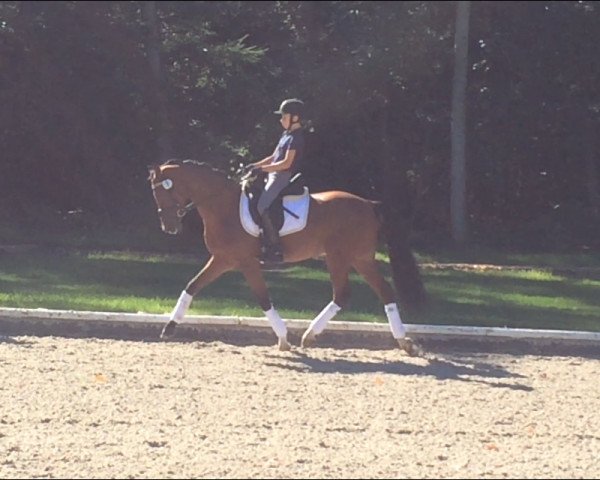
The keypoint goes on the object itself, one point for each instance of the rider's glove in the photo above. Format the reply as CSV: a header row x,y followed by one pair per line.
x,y
252,170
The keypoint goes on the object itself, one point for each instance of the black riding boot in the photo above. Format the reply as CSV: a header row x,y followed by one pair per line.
x,y
271,249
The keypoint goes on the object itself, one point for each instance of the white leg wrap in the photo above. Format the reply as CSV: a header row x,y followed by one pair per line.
x,y
393,316
277,323
185,299
322,319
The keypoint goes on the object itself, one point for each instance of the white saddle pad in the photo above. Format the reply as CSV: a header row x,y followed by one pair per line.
x,y
298,204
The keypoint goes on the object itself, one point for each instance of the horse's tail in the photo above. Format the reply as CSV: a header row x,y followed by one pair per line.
x,y
405,272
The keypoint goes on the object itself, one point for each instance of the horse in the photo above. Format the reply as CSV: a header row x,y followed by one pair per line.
x,y
341,227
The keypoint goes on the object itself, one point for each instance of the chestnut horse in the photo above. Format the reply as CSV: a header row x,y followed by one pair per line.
x,y
342,227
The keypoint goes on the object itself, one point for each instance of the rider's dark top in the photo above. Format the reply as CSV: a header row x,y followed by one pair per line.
x,y
291,141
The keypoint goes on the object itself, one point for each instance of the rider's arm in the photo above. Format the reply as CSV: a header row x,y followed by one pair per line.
x,y
264,161
284,164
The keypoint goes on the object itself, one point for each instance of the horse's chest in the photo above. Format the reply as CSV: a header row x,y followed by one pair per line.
x,y
219,237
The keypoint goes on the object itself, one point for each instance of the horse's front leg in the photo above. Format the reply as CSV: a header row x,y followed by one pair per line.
x,y
256,281
214,268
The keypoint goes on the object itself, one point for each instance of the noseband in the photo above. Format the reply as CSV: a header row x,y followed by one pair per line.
x,y
167,184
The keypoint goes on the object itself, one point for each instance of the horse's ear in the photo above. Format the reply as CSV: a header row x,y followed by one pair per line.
x,y
152,171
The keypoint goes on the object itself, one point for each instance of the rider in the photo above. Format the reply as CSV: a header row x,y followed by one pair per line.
x,y
281,166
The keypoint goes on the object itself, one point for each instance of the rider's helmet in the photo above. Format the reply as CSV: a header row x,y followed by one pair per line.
x,y
292,106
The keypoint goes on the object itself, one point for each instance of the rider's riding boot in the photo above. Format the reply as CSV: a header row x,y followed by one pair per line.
x,y
271,249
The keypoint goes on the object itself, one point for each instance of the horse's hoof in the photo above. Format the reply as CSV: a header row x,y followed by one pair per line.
x,y
308,339
284,345
169,329
410,347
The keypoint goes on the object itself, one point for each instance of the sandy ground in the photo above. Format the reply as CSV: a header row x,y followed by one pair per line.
x,y
99,408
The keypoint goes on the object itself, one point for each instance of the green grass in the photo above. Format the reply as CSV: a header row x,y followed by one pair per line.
x,y
585,258
131,282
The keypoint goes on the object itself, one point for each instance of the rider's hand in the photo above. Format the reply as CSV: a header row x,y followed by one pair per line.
x,y
252,170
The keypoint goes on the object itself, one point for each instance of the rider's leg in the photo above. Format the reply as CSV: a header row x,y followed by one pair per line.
x,y
271,237
276,183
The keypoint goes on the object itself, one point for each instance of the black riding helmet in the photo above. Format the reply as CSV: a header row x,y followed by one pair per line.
x,y
292,106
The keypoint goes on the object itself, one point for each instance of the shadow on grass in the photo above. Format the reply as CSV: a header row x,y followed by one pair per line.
x,y
463,298
507,284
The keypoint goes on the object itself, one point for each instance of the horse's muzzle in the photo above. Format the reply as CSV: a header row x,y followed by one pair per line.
x,y
171,226
172,230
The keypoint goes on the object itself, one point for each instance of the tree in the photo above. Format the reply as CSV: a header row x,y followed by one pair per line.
x,y
153,53
459,89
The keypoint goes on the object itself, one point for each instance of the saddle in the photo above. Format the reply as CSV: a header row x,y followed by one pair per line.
x,y
288,212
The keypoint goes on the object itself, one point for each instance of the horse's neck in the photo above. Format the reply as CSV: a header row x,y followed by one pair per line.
x,y
214,195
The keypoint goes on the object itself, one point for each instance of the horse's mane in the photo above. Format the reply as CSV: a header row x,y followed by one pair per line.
x,y
196,163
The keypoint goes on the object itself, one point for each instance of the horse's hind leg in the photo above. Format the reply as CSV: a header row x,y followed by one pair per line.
x,y
339,269
369,271
213,269
256,281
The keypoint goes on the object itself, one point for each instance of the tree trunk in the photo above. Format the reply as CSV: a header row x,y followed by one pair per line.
x,y
459,87
591,171
397,194
162,124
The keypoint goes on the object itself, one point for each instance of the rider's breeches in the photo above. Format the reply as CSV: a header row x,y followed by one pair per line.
x,y
276,182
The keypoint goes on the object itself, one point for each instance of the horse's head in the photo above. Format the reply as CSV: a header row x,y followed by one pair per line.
x,y
169,199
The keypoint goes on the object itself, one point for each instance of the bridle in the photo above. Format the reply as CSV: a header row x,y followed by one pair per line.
x,y
181,212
